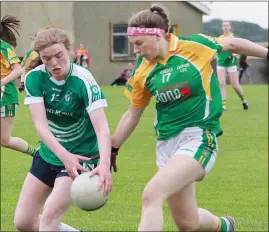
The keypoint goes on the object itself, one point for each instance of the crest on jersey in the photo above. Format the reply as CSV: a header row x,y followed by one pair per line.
x,y
68,97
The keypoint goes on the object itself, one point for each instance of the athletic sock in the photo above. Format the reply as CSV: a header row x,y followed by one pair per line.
x,y
31,150
65,227
224,103
223,227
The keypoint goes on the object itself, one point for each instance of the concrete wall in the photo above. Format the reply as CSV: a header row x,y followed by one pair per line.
x,y
37,15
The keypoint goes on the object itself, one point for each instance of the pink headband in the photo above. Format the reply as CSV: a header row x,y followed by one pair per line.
x,y
133,31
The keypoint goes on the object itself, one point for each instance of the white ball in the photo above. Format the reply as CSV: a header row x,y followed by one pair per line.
x,y
85,194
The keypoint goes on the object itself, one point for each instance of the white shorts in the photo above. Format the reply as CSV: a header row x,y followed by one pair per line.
x,y
228,69
194,142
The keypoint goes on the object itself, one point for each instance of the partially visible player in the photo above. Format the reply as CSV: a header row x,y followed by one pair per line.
x,y
67,109
244,69
32,60
26,62
10,71
227,64
177,72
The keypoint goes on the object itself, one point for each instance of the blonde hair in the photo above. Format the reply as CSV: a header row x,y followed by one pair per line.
x,y
50,36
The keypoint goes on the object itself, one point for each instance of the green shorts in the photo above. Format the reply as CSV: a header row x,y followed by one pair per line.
x,y
9,94
194,142
9,110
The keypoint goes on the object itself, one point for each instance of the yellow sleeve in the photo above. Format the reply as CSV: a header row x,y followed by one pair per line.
x,y
32,56
220,41
12,57
137,92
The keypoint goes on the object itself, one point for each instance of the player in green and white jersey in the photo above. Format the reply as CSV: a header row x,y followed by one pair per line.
x,y
10,71
227,64
178,72
67,109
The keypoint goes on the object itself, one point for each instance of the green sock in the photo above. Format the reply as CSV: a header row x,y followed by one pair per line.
x,y
223,227
224,103
242,98
31,150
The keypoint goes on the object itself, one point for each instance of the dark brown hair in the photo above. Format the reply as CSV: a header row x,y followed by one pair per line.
x,y
8,26
155,17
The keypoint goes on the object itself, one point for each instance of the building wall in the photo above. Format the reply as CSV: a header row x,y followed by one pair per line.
x,y
37,15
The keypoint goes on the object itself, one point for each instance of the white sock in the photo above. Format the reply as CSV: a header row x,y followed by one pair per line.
x,y
65,227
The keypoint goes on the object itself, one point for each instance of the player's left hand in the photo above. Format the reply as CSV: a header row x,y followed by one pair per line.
x,y
21,87
105,177
114,153
113,158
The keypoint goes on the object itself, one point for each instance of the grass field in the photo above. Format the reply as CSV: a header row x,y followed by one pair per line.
x,y
237,185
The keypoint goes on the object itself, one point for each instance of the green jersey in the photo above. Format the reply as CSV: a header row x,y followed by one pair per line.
x,y
9,94
67,105
226,59
25,58
184,84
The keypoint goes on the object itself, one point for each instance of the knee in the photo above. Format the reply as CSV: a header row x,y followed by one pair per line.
x,y
151,197
5,141
23,224
191,224
49,214
52,212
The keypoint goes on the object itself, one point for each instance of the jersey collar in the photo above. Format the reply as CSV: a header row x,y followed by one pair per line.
x,y
173,42
62,82
230,34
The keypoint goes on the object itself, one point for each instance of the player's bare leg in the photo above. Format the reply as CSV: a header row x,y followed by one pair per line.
x,y
222,73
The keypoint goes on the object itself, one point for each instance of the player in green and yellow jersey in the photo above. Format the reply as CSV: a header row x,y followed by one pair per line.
x,y
227,64
10,71
30,56
177,72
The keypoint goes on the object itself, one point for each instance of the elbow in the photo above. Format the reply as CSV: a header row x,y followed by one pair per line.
x,y
235,45
232,45
40,129
134,118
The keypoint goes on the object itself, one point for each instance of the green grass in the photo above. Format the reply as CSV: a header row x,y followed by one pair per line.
x,y
237,185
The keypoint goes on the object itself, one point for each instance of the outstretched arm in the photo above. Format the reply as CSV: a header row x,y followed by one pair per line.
x,y
70,161
126,126
244,47
99,122
100,125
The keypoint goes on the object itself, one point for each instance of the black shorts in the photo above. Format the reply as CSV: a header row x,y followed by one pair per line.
x,y
47,173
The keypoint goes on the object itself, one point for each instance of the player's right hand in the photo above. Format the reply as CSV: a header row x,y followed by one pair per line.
x,y
72,165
